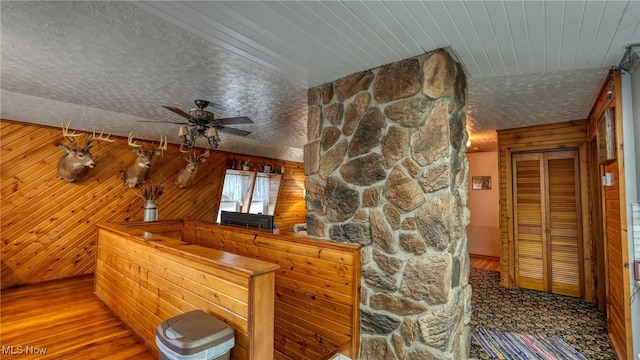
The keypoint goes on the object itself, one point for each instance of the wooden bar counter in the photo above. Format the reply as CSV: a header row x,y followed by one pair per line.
x,y
317,313
149,275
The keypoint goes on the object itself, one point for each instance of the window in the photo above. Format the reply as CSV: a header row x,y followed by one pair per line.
x,y
233,191
260,196
249,192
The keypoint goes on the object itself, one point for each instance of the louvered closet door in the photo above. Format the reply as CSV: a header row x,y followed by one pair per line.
x,y
547,228
563,223
530,239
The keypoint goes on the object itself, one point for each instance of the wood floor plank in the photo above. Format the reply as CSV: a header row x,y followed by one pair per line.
x,y
66,320
485,262
71,323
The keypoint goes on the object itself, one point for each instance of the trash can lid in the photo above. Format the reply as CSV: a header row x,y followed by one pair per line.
x,y
192,332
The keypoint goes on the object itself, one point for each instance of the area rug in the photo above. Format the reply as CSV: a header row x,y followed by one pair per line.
x,y
508,345
575,321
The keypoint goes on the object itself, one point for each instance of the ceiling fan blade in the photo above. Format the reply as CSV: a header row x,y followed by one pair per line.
x,y
177,111
217,105
235,120
165,122
233,131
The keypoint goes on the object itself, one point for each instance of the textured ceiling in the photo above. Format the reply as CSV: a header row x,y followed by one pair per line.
x,y
103,64
111,64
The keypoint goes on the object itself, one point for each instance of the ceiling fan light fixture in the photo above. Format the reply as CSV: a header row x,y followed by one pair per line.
x,y
188,141
212,132
212,143
202,123
189,136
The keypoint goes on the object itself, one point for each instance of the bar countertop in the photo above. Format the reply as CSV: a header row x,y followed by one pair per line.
x,y
221,259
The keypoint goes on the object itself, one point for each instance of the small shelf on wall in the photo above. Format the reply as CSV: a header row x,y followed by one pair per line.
x,y
249,192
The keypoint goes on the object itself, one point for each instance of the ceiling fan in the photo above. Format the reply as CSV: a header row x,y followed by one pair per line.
x,y
202,123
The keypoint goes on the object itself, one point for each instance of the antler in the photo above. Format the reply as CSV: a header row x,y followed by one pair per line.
x,y
184,149
163,145
193,155
93,138
70,137
130,142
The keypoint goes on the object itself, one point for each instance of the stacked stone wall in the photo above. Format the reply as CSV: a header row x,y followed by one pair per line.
x,y
386,168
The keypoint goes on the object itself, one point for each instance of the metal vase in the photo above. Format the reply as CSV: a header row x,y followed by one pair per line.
x,y
150,211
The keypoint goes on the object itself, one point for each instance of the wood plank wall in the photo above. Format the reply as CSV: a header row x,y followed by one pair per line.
x,y
317,287
572,134
147,280
47,229
615,227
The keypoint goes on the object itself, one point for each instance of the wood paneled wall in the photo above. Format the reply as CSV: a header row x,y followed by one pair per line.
x,y
317,287
614,225
572,134
147,279
47,229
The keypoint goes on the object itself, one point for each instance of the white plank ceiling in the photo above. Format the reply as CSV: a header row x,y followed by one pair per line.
x,y
115,63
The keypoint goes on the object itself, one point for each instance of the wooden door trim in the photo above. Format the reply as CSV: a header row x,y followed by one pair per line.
x,y
624,235
544,197
598,248
579,153
512,196
582,205
510,281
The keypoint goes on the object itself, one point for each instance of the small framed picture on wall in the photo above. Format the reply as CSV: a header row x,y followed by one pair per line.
x,y
481,182
606,136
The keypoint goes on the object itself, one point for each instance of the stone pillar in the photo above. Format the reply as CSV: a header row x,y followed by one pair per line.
x,y
386,168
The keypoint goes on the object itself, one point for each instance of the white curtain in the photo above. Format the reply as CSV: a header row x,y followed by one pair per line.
x,y
261,189
260,196
234,188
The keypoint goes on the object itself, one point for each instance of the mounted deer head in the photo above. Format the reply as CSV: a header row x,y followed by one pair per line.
x,y
187,174
77,161
136,173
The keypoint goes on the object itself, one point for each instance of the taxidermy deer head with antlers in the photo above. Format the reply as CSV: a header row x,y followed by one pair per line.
x,y
136,173
77,161
187,174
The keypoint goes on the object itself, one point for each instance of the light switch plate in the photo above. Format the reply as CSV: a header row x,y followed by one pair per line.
x,y
607,179
636,270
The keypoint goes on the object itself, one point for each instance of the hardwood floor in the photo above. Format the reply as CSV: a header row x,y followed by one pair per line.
x,y
64,320
485,262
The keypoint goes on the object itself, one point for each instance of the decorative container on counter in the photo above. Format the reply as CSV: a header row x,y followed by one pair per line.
x,y
150,210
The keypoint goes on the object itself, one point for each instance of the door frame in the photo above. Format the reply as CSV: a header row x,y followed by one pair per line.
x,y
599,245
584,199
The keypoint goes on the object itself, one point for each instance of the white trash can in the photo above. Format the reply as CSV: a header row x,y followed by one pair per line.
x,y
194,335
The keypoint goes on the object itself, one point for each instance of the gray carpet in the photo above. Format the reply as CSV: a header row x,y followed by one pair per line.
x,y
571,319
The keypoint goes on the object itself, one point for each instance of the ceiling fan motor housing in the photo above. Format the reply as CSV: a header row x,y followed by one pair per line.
x,y
201,104
201,115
